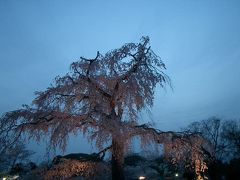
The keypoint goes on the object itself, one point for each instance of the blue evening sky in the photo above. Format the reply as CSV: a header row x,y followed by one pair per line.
x,y
198,40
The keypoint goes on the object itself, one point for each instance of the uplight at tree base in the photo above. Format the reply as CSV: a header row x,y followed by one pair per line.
x,y
141,177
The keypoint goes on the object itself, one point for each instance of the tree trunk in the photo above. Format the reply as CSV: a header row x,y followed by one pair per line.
x,y
117,160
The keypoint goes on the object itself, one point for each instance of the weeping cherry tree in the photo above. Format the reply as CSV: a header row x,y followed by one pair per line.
x,y
99,97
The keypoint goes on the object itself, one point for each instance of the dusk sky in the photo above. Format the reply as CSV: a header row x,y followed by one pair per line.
x,y
198,40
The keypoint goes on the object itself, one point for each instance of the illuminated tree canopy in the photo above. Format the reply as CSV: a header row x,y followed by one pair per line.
x,y
100,97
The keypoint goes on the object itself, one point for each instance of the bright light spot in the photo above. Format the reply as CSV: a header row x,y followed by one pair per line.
x,y
4,178
15,176
141,177
176,175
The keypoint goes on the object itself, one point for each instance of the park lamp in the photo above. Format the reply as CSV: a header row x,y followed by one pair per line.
x,y
12,178
15,176
176,175
141,177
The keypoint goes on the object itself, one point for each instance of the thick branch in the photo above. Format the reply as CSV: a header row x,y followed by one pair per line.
x,y
158,135
101,153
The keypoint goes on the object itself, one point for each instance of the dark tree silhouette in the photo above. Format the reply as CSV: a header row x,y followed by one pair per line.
x,y
211,130
12,147
231,135
223,135
13,154
100,97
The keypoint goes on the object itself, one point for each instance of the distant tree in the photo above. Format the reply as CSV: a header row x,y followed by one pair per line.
x,y
16,153
7,137
223,135
231,135
12,148
211,130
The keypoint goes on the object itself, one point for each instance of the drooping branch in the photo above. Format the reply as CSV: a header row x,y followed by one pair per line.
x,y
181,148
35,122
159,135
